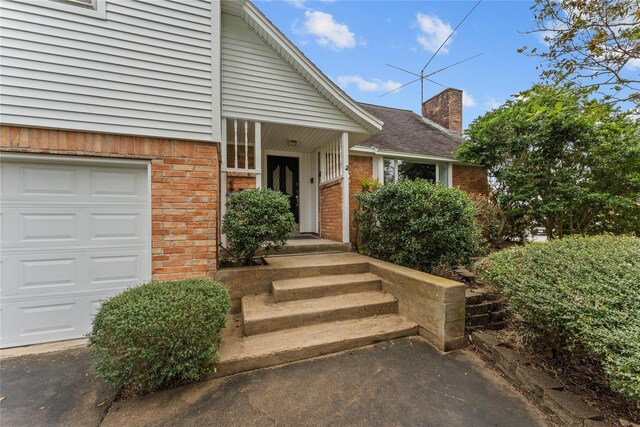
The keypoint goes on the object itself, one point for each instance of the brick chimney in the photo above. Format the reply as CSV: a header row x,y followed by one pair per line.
x,y
445,109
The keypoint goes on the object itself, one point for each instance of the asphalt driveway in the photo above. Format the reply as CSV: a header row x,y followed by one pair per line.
x,y
403,382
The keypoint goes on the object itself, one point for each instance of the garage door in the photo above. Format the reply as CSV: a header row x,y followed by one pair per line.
x,y
73,231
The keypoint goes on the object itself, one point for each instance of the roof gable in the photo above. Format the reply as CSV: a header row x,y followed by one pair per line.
x,y
261,62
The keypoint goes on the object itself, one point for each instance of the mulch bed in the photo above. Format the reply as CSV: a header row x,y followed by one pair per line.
x,y
584,376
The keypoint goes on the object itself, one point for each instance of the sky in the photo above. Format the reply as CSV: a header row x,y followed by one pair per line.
x,y
352,40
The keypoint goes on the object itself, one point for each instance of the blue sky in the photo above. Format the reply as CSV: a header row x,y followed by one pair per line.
x,y
351,41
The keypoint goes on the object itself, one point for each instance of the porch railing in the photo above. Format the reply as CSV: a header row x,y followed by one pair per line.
x,y
331,162
241,149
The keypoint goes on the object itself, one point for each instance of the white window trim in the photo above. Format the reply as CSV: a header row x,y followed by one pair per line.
x,y
98,11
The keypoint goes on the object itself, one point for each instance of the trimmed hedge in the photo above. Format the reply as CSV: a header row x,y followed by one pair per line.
x,y
417,224
158,333
580,295
259,218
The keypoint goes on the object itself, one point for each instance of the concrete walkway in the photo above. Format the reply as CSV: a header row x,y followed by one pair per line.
x,y
404,382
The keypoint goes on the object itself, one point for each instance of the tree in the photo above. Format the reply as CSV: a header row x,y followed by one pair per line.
x,y
561,158
591,43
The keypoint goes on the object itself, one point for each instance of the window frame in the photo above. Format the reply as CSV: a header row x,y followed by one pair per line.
x,y
435,163
97,10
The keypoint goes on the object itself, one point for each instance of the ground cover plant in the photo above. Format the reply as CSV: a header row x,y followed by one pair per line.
x,y
579,296
417,224
159,333
256,219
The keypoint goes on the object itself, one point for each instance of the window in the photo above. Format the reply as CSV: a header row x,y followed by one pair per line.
x,y
88,4
91,8
397,170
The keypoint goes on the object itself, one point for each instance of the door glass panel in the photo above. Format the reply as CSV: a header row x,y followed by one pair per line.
x,y
276,178
289,181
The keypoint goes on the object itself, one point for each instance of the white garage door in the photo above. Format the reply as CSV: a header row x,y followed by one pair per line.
x,y
73,231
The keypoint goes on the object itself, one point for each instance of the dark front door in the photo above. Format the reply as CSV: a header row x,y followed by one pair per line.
x,y
282,175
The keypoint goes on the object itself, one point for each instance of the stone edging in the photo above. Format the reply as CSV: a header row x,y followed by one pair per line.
x,y
565,407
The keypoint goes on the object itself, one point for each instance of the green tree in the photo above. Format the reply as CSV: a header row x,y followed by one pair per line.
x,y
591,43
561,158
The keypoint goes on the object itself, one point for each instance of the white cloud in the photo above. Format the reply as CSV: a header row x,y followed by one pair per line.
x,y
301,4
327,31
492,103
433,32
363,85
467,99
296,3
633,64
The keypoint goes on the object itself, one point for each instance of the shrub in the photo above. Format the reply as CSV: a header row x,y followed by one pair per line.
x,y
581,296
158,333
498,224
417,224
257,218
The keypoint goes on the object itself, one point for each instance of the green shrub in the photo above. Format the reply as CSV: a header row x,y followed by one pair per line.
x,y
157,333
257,218
417,224
582,296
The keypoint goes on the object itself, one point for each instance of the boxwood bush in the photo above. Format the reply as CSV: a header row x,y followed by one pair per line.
x,y
417,224
582,296
255,219
159,333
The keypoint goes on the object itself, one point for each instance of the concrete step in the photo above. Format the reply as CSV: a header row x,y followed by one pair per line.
x,y
239,354
261,314
323,286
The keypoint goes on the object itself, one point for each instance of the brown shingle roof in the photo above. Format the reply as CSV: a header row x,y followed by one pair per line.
x,y
406,132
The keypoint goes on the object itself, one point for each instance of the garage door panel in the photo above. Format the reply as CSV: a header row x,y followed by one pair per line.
x,y
117,184
46,182
38,181
74,226
126,226
72,235
117,270
48,274
58,319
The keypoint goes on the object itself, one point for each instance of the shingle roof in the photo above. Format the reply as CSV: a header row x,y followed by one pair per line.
x,y
406,132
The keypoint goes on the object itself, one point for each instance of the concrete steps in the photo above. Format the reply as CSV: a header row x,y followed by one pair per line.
x,y
323,286
261,314
242,354
311,316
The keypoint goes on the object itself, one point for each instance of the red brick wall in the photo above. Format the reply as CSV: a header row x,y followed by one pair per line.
x,y
445,109
184,190
359,167
472,179
238,181
331,210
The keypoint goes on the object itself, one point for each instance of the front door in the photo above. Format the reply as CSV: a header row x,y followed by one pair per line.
x,y
283,176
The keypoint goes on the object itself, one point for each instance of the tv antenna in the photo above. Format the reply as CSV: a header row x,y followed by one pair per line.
x,y
422,76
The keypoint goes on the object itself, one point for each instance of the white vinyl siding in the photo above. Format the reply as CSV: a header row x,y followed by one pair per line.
x,y
144,70
257,84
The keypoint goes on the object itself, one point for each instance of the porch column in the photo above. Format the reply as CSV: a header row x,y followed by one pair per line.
x,y
344,153
257,153
223,179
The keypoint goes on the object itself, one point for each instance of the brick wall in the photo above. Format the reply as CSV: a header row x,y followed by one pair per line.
x,y
472,179
238,181
445,109
359,167
184,190
331,210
